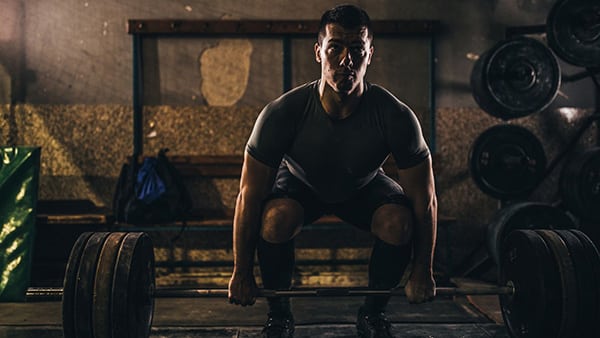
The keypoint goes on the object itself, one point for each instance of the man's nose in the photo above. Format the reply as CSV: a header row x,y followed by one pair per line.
x,y
346,58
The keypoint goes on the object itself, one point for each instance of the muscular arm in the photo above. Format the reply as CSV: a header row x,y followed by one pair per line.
x,y
419,187
255,184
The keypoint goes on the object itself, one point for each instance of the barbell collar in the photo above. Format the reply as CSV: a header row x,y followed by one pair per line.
x,y
55,293
44,294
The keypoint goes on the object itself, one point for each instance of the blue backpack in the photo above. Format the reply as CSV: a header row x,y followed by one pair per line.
x,y
152,193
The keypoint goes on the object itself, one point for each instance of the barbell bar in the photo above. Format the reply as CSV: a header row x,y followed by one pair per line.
x,y
56,293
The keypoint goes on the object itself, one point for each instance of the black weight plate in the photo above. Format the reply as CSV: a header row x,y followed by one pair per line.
x,y
534,310
524,215
68,298
594,257
568,282
580,184
103,285
132,305
573,31
507,162
586,288
84,286
515,78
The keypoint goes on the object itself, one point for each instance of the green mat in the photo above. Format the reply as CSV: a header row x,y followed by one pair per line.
x,y
19,176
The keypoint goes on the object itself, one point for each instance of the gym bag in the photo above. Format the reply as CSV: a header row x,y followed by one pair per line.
x,y
152,193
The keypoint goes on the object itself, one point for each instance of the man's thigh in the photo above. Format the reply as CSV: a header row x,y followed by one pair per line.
x,y
292,200
359,209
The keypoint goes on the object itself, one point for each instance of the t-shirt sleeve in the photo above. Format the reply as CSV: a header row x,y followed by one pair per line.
x,y
272,135
404,134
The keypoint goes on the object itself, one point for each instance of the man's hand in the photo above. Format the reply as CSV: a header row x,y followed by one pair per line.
x,y
242,289
420,287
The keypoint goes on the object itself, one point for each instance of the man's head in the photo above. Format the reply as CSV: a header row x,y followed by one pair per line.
x,y
344,48
347,16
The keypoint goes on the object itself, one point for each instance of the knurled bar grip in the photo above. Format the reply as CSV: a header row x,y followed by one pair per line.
x,y
56,293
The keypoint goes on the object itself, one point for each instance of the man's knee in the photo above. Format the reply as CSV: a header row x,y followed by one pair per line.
x,y
281,220
393,223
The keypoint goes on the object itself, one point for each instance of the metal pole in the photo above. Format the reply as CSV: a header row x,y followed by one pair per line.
x,y
332,292
432,93
287,63
138,96
56,293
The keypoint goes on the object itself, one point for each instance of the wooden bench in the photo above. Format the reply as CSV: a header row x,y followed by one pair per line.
x,y
63,221
84,212
72,212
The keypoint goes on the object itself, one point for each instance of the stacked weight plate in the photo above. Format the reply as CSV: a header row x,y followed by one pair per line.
x,y
573,31
507,162
555,274
580,184
108,286
517,77
524,215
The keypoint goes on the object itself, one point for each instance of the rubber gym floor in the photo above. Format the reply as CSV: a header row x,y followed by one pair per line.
x,y
476,316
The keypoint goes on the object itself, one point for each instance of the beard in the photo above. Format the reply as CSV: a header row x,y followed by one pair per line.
x,y
344,83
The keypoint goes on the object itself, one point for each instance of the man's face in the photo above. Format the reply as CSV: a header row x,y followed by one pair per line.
x,y
344,55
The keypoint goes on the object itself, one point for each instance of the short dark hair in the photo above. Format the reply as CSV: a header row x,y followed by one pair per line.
x,y
347,16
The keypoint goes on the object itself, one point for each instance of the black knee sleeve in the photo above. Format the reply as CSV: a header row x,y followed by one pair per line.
x,y
386,268
276,261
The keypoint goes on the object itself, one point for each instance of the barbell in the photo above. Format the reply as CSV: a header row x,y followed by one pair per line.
x,y
56,293
548,286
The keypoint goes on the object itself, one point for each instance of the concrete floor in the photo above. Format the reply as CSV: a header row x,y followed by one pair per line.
x,y
315,317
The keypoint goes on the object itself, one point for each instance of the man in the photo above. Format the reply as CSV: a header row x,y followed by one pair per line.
x,y
319,149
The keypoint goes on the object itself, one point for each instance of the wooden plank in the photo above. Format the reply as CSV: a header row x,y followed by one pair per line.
x,y
227,222
229,166
208,165
74,219
73,211
214,166
267,27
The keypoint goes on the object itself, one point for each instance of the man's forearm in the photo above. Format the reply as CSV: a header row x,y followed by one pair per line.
x,y
246,228
425,230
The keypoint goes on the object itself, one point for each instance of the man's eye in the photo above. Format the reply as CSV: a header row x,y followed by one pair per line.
x,y
358,51
335,48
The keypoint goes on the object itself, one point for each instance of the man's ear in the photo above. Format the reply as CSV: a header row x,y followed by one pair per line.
x,y
317,52
372,49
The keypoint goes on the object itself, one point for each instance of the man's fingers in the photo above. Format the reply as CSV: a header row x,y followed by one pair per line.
x,y
247,302
420,296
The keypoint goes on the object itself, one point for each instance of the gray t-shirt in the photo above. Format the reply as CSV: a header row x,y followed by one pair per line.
x,y
336,157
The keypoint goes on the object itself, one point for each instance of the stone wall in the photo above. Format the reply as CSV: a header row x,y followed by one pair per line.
x,y
84,146
66,79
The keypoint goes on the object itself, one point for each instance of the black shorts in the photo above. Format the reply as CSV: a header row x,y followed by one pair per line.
x,y
357,210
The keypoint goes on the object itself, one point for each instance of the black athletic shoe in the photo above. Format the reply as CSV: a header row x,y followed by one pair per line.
x,y
373,325
279,327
